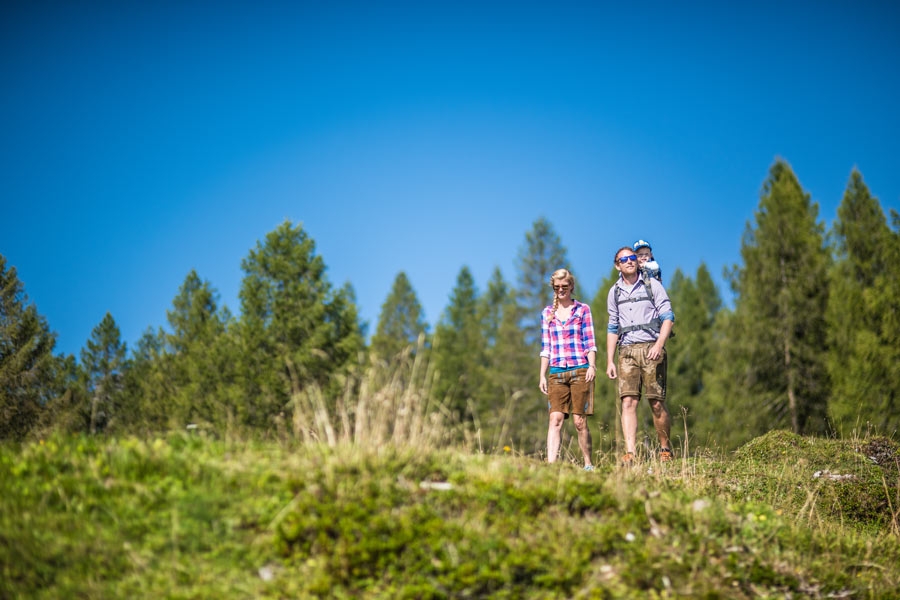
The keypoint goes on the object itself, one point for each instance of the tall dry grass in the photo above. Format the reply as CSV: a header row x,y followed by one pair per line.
x,y
388,403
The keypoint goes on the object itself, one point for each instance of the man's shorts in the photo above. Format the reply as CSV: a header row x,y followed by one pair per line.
x,y
569,392
637,372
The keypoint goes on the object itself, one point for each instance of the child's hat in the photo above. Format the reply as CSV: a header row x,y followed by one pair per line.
x,y
641,244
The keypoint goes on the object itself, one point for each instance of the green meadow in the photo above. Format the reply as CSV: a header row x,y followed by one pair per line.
x,y
192,515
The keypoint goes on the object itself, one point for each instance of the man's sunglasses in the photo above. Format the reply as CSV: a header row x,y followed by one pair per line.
x,y
625,259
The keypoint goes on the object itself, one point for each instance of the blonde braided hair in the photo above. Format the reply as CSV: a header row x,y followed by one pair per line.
x,y
561,274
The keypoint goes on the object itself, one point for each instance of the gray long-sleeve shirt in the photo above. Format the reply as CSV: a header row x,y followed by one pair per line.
x,y
631,313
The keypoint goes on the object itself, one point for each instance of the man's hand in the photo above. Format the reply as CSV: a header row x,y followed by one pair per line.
x,y
543,384
611,370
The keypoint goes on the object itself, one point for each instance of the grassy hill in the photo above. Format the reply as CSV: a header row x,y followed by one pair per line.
x,y
189,516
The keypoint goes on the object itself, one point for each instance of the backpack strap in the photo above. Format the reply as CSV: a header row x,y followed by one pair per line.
x,y
649,296
645,278
653,326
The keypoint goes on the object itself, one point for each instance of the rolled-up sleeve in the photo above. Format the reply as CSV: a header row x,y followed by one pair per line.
x,y
662,302
613,310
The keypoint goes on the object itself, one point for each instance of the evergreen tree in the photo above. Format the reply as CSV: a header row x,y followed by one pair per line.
x,y
606,395
459,349
863,326
148,386
720,416
202,375
542,254
69,410
509,405
347,331
776,337
103,363
195,316
492,304
697,303
295,329
400,322
27,364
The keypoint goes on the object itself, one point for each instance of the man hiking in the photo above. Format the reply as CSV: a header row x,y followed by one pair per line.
x,y
640,321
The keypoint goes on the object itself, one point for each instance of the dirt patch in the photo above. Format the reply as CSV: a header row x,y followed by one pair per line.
x,y
883,452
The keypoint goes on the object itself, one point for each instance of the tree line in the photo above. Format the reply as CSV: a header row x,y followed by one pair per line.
x,y
810,344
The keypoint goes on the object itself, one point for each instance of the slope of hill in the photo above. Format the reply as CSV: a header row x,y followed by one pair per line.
x,y
187,516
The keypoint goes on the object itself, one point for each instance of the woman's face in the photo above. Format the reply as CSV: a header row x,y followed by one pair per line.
x,y
561,288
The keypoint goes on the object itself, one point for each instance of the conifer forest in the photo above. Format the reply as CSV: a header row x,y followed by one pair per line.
x,y
811,343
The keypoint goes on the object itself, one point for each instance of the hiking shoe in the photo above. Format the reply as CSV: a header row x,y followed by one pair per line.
x,y
628,459
588,468
665,455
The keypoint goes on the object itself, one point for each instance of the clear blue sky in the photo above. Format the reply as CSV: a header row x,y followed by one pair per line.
x,y
142,140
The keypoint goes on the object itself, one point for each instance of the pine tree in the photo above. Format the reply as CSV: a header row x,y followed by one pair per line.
x,y
696,303
776,337
27,364
103,363
542,254
721,415
400,322
345,329
195,316
148,386
863,326
69,410
509,405
202,374
295,329
491,306
459,349
606,396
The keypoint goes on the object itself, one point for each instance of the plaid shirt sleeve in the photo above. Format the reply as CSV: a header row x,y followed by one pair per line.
x,y
587,331
545,334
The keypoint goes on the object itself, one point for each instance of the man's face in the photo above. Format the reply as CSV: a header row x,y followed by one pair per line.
x,y
643,255
626,262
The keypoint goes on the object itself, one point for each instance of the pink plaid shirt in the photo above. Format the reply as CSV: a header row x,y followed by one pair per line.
x,y
567,343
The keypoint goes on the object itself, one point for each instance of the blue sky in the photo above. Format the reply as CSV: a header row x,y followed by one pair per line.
x,y
143,140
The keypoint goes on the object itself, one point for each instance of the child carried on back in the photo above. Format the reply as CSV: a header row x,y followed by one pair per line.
x,y
647,263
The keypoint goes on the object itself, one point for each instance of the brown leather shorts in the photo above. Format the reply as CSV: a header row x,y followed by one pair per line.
x,y
638,373
569,393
